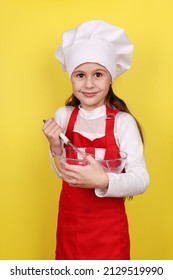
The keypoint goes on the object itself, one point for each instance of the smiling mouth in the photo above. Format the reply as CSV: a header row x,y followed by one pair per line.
x,y
89,94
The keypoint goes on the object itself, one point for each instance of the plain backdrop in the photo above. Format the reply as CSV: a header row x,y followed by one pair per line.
x,y
33,86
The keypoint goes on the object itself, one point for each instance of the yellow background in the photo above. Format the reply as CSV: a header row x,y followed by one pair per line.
x,y
33,86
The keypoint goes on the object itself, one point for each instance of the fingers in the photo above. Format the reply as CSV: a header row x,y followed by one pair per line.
x,y
91,159
52,131
88,176
48,124
68,169
68,173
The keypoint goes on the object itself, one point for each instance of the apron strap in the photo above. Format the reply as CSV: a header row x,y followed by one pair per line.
x,y
110,122
71,123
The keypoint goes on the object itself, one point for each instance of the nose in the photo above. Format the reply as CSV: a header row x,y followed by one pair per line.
x,y
89,82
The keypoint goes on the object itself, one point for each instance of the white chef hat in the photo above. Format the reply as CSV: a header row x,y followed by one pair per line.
x,y
95,41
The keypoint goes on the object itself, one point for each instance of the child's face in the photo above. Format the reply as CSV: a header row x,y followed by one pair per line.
x,y
90,83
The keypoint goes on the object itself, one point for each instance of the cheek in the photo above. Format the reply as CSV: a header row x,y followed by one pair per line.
x,y
106,85
75,85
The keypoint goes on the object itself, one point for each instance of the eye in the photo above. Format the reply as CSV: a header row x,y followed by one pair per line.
x,y
80,75
98,74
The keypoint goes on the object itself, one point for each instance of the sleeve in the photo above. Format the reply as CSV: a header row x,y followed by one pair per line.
x,y
60,116
135,179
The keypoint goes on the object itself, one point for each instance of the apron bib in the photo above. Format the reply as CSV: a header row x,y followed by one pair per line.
x,y
90,227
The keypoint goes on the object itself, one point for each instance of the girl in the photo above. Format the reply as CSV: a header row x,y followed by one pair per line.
x,y
92,222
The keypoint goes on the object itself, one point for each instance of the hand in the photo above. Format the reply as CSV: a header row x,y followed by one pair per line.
x,y
88,176
52,131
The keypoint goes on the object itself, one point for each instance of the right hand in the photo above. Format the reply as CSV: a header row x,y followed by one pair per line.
x,y
52,132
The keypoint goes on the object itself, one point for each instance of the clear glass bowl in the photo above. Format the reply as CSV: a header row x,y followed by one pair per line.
x,y
114,164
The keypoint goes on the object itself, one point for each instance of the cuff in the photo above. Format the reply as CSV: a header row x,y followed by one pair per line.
x,y
110,190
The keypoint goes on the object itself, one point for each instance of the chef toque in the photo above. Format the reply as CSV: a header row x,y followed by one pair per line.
x,y
95,41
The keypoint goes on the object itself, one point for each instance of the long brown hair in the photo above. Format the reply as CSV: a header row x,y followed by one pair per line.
x,y
112,100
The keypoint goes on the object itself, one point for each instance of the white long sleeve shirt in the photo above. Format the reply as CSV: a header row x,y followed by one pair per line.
x,y
91,124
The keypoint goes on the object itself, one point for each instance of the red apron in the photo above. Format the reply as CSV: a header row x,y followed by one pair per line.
x,y
90,227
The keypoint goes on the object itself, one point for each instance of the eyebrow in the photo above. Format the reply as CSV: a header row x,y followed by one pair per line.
x,y
96,70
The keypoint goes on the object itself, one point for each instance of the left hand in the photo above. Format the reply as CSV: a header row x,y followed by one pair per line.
x,y
88,176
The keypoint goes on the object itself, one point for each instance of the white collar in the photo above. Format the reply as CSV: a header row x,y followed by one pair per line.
x,y
94,114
